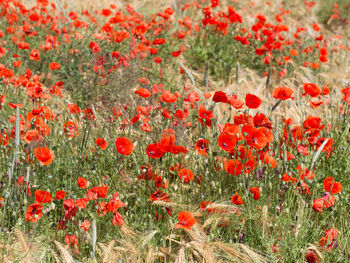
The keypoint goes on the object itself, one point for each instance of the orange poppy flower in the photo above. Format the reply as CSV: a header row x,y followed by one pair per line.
x,y
32,136
54,66
187,175
124,146
43,197
234,167
34,54
85,225
60,194
282,93
34,213
144,93
186,220
168,97
44,155
252,101
331,186
237,200
102,143
255,192
82,182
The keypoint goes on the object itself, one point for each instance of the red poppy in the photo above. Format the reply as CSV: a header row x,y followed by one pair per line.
x,y
34,54
102,143
331,186
44,155
186,220
255,192
234,167
154,151
94,47
159,196
60,194
311,256
144,93
54,66
32,136
282,93
258,139
220,96
82,182
329,239
70,209
202,146
312,89
324,202
237,200
252,101
124,146
186,175
42,197
34,212
168,97
176,53
71,129
227,142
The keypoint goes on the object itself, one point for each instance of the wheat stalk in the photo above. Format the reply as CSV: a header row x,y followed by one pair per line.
x,y
65,254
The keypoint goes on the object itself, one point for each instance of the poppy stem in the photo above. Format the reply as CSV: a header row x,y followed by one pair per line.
x,y
276,105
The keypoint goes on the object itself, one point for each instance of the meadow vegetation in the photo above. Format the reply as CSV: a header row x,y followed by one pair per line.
x,y
201,131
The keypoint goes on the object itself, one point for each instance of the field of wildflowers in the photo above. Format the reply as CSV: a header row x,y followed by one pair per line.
x,y
204,131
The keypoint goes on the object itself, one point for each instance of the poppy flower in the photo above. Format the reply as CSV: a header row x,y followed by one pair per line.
x,y
324,202
168,97
85,225
311,256
283,93
159,196
70,209
176,53
42,197
154,151
117,219
255,192
124,146
186,175
258,139
312,89
202,146
102,143
329,238
34,212
186,220
34,54
234,167
227,142
315,104
252,101
331,186
44,155
220,96
60,194
82,182
144,93
237,200
54,66
32,136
